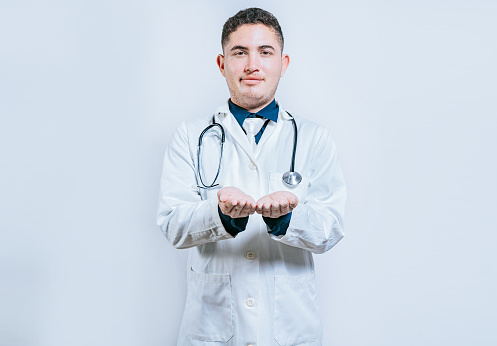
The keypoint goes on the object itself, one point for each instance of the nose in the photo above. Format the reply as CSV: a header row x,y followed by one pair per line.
x,y
252,63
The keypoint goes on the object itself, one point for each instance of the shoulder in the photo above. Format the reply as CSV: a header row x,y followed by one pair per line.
x,y
197,125
312,134
193,128
307,127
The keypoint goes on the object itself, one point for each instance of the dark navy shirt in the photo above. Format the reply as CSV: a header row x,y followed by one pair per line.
x,y
277,226
269,112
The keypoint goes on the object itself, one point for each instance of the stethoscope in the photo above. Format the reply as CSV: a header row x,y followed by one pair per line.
x,y
290,178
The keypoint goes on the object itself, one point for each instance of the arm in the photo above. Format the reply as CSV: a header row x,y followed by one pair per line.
x,y
317,222
184,218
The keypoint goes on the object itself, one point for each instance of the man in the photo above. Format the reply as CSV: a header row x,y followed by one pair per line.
x,y
251,236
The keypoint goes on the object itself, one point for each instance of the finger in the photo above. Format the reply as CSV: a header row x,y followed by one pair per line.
x,y
284,206
243,201
231,202
266,210
240,205
251,201
293,202
253,209
246,210
237,208
285,210
275,209
259,205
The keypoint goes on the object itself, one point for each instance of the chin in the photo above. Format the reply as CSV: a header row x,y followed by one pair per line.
x,y
250,99
255,96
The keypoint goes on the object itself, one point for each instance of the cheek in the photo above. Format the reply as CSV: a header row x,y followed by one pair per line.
x,y
235,67
273,70
231,76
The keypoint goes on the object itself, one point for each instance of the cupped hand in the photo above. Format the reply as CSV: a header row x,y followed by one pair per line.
x,y
235,203
276,204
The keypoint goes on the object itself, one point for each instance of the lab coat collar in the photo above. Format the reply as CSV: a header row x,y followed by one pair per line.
x,y
228,121
269,112
223,111
224,117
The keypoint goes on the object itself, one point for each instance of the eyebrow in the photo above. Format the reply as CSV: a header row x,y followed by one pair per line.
x,y
238,47
265,46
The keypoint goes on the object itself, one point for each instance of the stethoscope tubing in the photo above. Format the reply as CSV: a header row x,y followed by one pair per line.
x,y
216,124
292,164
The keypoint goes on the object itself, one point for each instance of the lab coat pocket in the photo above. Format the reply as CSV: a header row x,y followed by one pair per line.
x,y
296,319
208,310
276,184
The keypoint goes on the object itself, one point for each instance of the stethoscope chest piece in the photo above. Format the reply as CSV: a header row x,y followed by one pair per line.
x,y
292,178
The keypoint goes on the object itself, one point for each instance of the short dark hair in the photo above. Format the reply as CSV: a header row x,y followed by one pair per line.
x,y
251,15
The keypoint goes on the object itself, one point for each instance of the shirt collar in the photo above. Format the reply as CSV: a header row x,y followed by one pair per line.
x,y
269,112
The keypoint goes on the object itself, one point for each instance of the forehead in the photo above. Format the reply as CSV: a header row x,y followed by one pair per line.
x,y
255,35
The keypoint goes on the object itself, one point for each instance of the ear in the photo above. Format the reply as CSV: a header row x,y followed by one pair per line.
x,y
285,61
220,63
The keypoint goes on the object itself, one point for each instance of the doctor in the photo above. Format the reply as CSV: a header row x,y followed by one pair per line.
x,y
250,236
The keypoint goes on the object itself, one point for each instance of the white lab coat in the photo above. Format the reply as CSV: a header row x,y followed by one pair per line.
x,y
256,288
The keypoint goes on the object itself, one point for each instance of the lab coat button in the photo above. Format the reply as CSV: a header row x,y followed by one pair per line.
x,y
250,255
252,166
250,302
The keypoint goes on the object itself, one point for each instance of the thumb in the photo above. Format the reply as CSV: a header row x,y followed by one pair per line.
x,y
223,196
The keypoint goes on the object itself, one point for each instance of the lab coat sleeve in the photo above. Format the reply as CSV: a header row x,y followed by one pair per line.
x,y
317,221
185,219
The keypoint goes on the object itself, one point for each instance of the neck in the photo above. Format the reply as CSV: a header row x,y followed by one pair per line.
x,y
251,108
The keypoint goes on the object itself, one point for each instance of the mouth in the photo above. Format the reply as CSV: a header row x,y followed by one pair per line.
x,y
251,80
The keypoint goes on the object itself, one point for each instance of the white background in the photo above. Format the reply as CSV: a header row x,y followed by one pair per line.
x,y
90,92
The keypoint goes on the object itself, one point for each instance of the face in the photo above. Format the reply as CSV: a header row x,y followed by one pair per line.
x,y
252,65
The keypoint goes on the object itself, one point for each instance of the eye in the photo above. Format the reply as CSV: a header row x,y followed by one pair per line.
x,y
266,52
238,53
